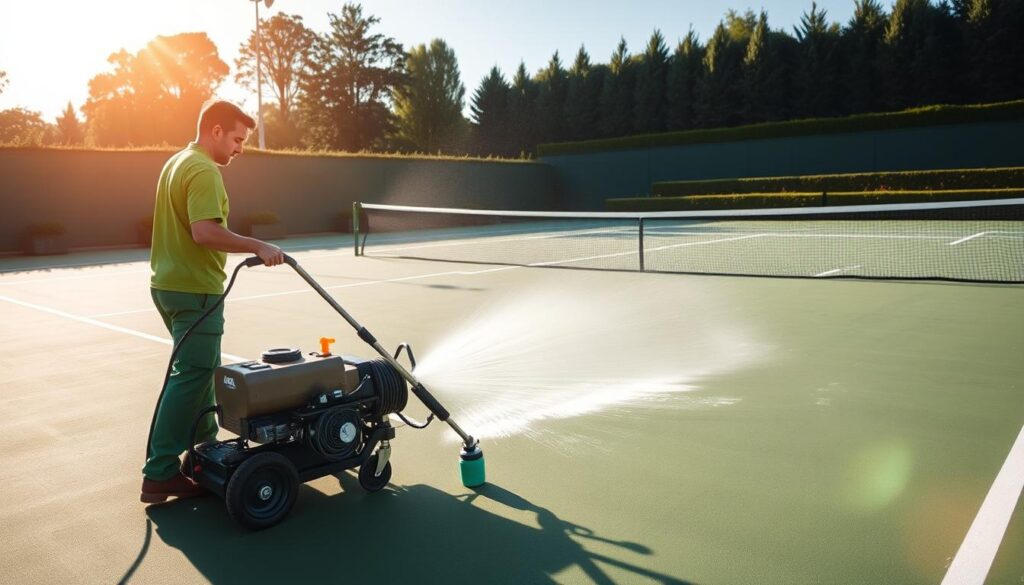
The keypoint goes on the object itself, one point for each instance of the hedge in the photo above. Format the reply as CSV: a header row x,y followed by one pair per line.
x,y
946,179
911,118
775,200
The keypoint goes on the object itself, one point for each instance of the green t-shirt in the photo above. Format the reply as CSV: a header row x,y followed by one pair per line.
x,y
190,189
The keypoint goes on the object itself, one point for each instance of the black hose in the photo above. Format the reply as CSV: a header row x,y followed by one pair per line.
x,y
392,394
252,261
414,424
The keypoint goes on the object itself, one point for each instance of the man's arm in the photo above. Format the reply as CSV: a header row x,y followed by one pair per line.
x,y
211,234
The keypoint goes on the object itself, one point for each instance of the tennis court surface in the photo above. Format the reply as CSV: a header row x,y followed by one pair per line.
x,y
639,427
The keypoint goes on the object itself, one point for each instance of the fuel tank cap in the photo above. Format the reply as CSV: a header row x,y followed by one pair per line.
x,y
282,355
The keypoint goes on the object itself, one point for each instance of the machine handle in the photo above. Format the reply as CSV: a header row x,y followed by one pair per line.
x,y
257,261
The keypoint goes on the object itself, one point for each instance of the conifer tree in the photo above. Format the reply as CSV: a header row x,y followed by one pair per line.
x,y
617,93
683,75
490,115
70,127
650,106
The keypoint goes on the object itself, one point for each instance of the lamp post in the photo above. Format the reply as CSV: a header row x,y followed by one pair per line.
x,y
259,72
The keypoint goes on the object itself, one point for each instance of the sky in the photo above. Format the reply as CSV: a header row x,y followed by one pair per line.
x,y
51,48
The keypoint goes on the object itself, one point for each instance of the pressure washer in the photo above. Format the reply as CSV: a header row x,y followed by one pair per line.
x,y
299,417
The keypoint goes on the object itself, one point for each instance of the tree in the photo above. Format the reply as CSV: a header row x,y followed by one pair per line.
x,y
756,73
720,92
522,106
649,102
69,126
683,75
286,48
348,87
939,57
897,53
581,98
429,105
490,110
3,81
24,127
552,82
155,95
862,82
617,94
817,77
994,31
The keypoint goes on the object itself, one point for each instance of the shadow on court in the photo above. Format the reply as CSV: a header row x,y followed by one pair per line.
x,y
404,534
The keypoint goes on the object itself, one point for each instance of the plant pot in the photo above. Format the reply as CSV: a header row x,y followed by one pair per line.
x,y
47,244
268,231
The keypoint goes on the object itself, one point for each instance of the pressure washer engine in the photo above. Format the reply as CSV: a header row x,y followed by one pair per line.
x,y
299,417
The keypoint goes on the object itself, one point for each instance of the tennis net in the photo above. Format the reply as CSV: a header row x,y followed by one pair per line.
x,y
975,241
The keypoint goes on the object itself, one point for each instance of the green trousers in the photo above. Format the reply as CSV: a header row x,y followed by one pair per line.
x,y
190,386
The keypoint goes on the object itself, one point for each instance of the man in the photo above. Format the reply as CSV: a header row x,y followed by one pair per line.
x,y
190,241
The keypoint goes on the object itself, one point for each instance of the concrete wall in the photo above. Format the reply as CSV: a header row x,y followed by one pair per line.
x,y
586,180
101,197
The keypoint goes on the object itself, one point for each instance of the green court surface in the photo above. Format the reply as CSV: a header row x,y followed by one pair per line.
x,y
708,429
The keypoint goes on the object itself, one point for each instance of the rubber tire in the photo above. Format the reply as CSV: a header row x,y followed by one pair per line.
x,y
242,498
366,478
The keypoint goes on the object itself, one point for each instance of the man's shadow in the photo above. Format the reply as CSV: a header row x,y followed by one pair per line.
x,y
403,534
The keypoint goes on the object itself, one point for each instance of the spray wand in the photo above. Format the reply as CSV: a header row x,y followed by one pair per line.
x,y
472,457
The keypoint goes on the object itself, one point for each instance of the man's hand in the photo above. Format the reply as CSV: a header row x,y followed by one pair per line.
x,y
269,253
211,234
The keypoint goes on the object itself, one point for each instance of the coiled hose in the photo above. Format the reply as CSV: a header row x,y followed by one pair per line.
x,y
392,394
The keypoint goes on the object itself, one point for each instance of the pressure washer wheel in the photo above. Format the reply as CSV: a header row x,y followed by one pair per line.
x,y
367,479
262,490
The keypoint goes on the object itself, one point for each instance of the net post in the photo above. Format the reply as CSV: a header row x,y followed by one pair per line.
x,y
356,208
640,224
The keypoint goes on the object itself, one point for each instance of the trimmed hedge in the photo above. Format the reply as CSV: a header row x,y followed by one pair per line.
x,y
911,118
700,202
775,200
946,179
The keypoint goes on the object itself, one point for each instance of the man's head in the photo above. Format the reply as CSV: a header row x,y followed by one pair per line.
x,y
223,128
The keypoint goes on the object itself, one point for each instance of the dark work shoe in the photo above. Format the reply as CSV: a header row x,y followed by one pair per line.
x,y
179,486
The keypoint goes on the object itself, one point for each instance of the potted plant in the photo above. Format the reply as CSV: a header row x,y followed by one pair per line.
x,y
46,238
266,225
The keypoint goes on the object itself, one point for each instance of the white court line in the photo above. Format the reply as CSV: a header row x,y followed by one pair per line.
x,y
54,266
828,272
460,239
77,277
229,357
974,558
633,253
289,249
384,248
334,287
96,323
968,238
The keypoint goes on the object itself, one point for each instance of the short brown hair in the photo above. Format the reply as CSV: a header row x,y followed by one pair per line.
x,y
224,114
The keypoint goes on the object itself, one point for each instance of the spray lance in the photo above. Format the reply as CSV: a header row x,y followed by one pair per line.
x,y
471,456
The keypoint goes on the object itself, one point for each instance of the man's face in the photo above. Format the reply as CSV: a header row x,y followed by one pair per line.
x,y
228,144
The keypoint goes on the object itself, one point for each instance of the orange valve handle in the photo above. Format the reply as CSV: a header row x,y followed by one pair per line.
x,y
325,345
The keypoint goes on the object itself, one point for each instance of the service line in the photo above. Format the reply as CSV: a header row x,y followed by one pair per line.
x,y
974,559
95,323
968,238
